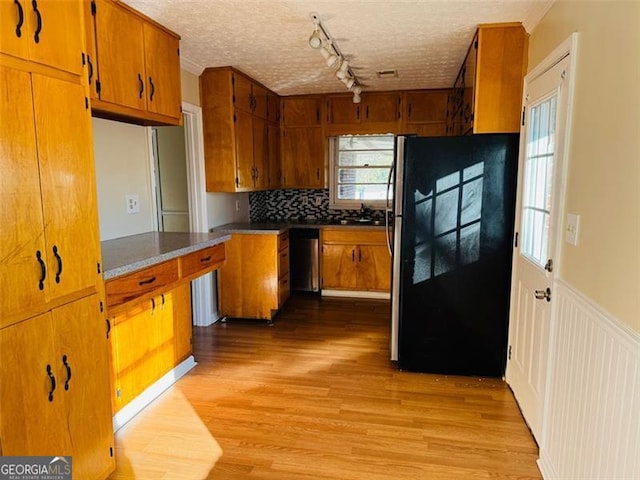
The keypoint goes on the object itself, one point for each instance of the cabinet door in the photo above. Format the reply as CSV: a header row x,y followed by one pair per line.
x,y
381,107
21,237
244,149
339,264
260,152
162,64
374,268
273,147
300,111
132,346
242,93
33,410
342,110
259,101
273,107
426,106
303,157
120,44
53,39
182,322
67,185
14,33
40,31
83,380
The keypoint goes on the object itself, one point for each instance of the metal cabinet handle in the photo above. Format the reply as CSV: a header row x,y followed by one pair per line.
x,y
68,367
153,89
542,294
52,379
108,327
147,281
90,69
20,18
205,259
141,83
43,270
59,260
36,35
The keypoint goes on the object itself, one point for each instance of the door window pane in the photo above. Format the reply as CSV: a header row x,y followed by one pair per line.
x,y
538,178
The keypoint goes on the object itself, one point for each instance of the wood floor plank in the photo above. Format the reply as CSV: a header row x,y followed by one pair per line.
x,y
315,396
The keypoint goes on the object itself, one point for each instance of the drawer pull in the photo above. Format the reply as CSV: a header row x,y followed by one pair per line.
x,y
147,281
205,259
52,379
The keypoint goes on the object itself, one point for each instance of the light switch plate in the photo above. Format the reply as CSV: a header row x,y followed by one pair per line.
x,y
133,203
572,228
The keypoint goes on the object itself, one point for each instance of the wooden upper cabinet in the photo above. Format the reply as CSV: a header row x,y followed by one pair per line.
x,y
236,140
48,192
379,112
162,53
488,90
120,62
40,31
302,111
425,112
242,93
273,107
303,157
342,111
138,66
381,107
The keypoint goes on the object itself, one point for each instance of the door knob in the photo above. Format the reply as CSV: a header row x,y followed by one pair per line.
x,y
542,294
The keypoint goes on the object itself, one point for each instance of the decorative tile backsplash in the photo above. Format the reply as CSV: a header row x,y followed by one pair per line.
x,y
298,205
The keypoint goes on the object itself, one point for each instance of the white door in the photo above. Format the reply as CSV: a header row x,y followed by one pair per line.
x,y
537,222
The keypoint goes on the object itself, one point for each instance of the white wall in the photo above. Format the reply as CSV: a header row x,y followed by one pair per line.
x,y
122,167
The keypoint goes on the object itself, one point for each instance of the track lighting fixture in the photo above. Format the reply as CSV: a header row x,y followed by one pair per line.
x,y
320,39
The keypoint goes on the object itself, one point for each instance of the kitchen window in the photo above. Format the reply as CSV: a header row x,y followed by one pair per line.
x,y
359,166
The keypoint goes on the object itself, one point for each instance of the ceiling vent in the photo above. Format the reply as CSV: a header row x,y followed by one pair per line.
x,y
387,73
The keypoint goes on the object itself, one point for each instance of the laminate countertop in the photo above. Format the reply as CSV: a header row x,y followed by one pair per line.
x,y
128,254
277,228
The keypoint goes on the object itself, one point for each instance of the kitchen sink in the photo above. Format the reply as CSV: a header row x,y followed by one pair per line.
x,y
360,221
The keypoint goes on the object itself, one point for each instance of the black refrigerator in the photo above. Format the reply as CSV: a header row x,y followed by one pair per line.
x,y
453,216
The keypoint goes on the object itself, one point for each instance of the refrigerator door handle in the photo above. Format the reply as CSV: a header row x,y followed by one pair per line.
x,y
388,210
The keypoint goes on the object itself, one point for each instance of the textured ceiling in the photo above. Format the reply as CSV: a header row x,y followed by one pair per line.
x,y
425,41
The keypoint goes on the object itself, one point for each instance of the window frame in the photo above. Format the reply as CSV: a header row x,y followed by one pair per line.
x,y
334,202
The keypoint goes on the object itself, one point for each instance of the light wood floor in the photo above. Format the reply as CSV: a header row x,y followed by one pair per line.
x,y
316,397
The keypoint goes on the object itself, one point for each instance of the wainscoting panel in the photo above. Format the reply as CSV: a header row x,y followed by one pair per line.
x,y
591,426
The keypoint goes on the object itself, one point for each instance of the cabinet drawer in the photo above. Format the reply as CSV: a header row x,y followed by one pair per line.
x,y
283,240
203,260
128,287
283,262
359,236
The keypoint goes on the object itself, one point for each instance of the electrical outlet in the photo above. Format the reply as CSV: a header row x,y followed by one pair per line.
x,y
305,200
237,205
133,203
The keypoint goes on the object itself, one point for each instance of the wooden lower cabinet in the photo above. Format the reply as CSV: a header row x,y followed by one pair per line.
x,y
356,260
54,388
254,283
148,340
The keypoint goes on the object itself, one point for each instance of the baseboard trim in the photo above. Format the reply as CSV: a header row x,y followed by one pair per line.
x,y
151,393
355,294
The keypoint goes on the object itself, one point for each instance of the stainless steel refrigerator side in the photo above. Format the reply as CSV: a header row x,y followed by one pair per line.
x,y
397,234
